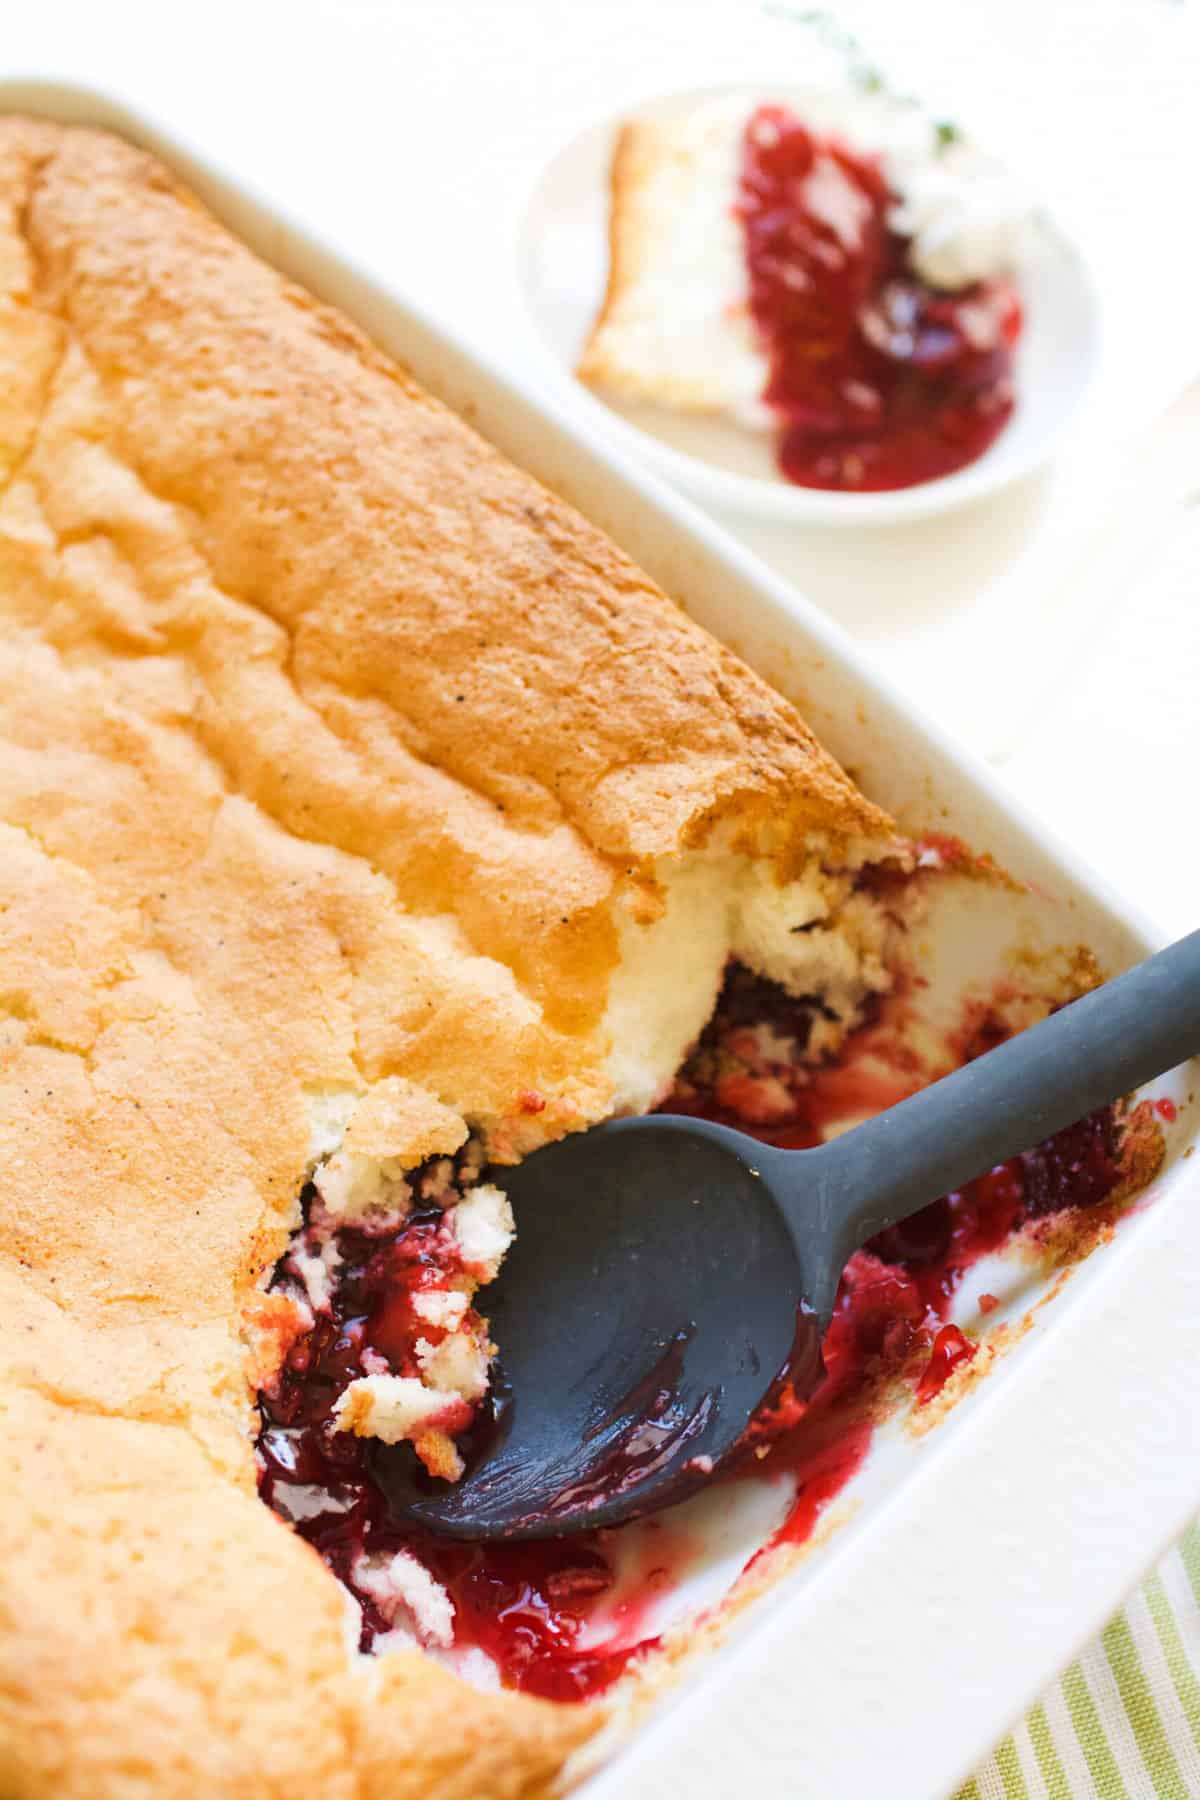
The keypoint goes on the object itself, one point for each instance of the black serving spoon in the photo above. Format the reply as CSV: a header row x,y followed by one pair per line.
x,y
667,1269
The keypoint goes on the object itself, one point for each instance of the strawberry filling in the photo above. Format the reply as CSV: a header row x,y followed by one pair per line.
x,y
877,380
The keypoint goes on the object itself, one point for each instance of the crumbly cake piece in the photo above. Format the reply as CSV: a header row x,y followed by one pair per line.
x,y
346,775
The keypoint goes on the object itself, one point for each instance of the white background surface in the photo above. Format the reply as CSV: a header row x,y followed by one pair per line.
x,y
1054,628
409,134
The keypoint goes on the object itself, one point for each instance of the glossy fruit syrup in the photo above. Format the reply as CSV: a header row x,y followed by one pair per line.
x,y
563,1619
877,379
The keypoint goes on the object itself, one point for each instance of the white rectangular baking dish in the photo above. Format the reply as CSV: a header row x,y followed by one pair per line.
x,y
896,1653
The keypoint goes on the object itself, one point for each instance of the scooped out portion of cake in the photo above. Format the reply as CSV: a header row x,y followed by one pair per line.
x,y
387,1352
414,1245
912,1326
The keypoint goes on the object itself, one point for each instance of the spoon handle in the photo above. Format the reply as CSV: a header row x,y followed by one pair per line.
x,y
1095,1050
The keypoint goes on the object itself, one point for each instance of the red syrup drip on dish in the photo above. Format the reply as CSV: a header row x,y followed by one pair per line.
x,y
556,1617
1167,1110
878,380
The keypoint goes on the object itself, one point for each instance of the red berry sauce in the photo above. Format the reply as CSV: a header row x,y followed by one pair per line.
x,y
951,1348
564,1619
878,379
526,1606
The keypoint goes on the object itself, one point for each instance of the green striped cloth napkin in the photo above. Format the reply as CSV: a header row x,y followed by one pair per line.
x,y
1123,1723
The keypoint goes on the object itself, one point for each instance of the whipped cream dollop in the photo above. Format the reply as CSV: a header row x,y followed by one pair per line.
x,y
965,214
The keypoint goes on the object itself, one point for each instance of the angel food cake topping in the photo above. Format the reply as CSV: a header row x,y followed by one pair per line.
x,y
847,285
368,820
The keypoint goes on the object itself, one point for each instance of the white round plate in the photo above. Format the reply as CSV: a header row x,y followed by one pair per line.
x,y
563,265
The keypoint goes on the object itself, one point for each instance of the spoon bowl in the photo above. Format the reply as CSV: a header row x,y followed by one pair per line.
x,y
673,1309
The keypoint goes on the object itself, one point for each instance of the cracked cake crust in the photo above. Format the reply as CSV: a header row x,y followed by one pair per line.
x,y
327,753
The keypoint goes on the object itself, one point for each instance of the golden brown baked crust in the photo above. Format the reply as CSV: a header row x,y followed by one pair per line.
x,y
327,741
636,155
